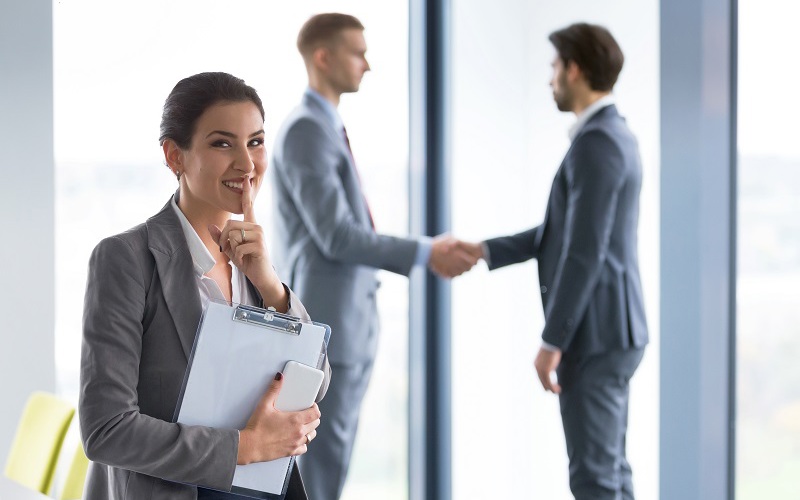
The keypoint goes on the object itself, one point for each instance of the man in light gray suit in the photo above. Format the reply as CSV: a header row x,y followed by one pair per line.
x,y
327,249
595,329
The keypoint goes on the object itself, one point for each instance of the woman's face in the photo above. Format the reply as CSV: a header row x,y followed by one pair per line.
x,y
227,149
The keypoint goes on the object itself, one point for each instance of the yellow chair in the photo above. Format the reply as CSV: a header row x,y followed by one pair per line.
x,y
40,433
76,476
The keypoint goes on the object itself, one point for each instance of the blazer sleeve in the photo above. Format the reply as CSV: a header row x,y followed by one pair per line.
x,y
595,172
507,250
308,168
113,430
298,310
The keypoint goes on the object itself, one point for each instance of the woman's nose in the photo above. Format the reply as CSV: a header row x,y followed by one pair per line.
x,y
244,162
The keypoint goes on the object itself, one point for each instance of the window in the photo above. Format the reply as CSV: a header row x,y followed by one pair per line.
x,y
508,141
768,319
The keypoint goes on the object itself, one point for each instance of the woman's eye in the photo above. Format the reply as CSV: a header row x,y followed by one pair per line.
x,y
221,144
256,142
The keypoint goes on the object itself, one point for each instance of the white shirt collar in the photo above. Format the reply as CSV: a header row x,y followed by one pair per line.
x,y
589,112
201,258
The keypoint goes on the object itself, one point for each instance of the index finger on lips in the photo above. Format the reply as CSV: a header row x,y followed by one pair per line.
x,y
247,201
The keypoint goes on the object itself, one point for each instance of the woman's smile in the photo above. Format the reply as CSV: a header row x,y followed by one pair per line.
x,y
236,185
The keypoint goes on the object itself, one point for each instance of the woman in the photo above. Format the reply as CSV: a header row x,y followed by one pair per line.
x,y
144,299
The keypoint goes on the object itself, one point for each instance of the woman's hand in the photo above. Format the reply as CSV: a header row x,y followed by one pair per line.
x,y
271,434
243,242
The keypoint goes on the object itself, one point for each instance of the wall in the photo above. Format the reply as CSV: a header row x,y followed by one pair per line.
x,y
26,202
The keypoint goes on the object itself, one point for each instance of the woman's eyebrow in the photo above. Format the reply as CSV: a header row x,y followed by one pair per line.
x,y
221,132
231,134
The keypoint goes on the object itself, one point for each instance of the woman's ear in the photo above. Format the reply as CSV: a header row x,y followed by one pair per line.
x,y
173,157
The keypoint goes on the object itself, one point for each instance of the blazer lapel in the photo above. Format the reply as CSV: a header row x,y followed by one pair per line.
x,y
354,183
610,110
175,269
546,220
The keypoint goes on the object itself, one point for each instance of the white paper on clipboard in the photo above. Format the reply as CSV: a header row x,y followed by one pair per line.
x,y
237,352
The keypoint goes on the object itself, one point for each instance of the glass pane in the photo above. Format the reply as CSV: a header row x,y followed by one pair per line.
x,y
508,140
768,317
115,65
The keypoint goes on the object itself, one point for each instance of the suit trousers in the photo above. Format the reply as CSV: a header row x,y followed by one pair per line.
x,y
324,466
594,413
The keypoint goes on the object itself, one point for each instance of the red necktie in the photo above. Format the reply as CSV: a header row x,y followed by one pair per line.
x,y
358,176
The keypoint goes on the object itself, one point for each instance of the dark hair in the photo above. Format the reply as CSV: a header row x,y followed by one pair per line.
x,y
193,95
322,28
594,50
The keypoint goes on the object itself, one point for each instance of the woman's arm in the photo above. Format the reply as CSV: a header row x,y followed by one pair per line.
x,y
298,310
114,431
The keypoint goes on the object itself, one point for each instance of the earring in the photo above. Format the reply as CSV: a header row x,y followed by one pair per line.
x,y
175,172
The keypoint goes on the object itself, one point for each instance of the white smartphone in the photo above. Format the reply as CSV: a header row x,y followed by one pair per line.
x,y
301,384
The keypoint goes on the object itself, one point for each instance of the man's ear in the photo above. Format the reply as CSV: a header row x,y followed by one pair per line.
x,y
574,72
173,156
321,57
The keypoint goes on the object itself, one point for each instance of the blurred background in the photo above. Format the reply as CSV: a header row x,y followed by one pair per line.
x,y
113,64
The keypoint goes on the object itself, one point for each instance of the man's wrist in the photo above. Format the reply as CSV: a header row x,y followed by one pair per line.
x,y
424,248
549,347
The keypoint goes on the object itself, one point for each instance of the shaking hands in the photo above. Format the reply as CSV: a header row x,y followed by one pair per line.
x,y
451,257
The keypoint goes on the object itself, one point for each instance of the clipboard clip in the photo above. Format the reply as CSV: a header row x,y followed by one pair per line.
x,y
267,319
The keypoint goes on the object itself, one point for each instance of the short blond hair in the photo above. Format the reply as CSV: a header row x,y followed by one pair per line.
x,y
323,28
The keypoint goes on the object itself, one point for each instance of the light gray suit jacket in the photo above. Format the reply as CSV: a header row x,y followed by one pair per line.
x,y
326,247
141,313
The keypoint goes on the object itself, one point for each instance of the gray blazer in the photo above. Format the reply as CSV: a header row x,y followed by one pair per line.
x,y
141,313
586,246
326,247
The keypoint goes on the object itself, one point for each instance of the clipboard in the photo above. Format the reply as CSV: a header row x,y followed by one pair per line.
x,y
237,351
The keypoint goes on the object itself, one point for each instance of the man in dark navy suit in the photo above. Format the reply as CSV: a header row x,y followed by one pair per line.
x,y
595,330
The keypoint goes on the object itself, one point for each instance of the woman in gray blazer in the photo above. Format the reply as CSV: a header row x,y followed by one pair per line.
x,y
144,299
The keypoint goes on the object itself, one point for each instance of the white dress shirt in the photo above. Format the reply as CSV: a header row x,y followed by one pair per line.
x,y
590,111
203,262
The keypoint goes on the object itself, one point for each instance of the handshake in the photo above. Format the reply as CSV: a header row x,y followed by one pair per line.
x,y
451,257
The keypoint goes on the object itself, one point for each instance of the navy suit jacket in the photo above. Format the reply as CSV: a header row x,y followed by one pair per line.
x,y
587,245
